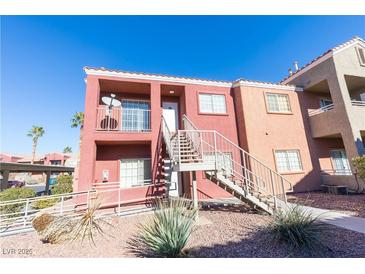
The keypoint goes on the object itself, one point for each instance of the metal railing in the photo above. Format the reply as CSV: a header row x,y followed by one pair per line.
x,y
236,162
167,136
333,172
17,215
358,103
313,112
123,119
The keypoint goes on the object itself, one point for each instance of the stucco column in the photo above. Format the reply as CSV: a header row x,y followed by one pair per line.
x,y
88,147
195,190
155,127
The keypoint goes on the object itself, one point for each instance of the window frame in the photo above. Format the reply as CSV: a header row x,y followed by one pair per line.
x,y
360,51
289,171
125,128
136,186
266,93
212,113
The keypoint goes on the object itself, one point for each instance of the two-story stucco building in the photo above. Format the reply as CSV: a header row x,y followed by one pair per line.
x,y
168,135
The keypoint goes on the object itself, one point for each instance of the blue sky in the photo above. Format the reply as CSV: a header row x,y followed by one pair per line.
x,y
42,59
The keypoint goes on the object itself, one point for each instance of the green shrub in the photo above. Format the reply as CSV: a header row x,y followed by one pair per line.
x,y
40,204
359,163
63,184
169,231
14,194
297,228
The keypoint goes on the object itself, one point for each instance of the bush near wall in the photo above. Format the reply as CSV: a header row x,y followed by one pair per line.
x,y
63,185
359,163
40,204
14,194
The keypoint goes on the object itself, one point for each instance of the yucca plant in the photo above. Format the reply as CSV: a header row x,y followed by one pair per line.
x,y
63,229
168,232
89,225
298,228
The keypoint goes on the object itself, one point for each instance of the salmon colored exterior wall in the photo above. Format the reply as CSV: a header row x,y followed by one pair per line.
x,y
262,132
102,150
247,123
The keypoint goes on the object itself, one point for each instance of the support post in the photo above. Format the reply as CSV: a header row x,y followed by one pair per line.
x,y
4,183
215,151
48,177
273,189
195,190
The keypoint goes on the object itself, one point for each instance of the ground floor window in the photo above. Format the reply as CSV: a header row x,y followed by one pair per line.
x,y
341,165
135,172
288,160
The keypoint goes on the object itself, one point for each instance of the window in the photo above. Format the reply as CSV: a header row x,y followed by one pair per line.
x,y
212,103
278,102
340,162
224,160
135,172
325,102
56,162
361,55
136,115
288,160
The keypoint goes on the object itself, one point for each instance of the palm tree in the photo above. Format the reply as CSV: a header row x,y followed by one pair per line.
x,y
36,132
77,121
67,150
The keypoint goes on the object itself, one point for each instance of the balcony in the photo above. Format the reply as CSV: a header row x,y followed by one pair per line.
x,y
312,112
123,119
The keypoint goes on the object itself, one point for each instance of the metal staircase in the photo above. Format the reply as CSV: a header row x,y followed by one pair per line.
x,y
225,164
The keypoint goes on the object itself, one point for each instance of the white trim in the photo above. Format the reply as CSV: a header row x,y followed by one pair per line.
x,y
331,53
266,85
149,77
182,80
315,63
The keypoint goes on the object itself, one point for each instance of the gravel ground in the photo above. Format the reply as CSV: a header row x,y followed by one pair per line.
x,y
353,204
225,232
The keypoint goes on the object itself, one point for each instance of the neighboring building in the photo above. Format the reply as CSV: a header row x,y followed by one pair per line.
x,y
9,158
283,139
56,158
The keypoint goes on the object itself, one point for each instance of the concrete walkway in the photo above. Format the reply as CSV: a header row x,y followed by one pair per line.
x,y
338,219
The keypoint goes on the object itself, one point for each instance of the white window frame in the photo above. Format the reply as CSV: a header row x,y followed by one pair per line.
x,y
131,184
213,109
142,124
267,94
289,169
361,54
346,170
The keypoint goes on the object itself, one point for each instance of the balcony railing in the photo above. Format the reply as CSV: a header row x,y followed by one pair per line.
x,y
336,172
358,103
313,112
123,119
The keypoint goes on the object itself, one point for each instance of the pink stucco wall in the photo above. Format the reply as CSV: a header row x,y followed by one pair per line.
x,y
101,150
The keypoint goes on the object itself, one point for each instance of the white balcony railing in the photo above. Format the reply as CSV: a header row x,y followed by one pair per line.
x,y
119,119
358,103
313,112
332,172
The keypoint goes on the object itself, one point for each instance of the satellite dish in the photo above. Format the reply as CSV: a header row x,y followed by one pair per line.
x,y
111,101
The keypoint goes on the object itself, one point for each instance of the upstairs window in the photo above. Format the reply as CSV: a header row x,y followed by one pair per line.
x,y
212,103
288,160
136,115
361,55
278,103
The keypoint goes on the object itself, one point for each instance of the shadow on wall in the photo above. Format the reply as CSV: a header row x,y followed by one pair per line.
x,y
158,186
